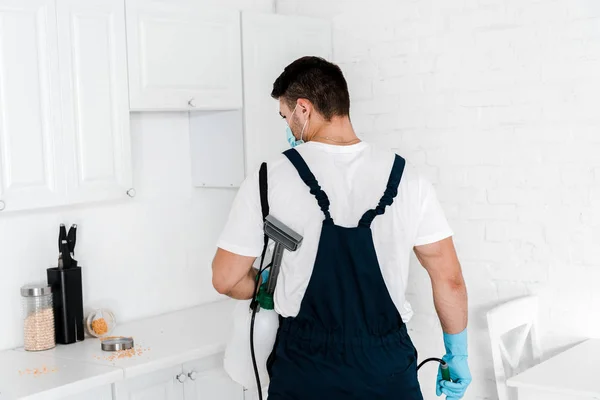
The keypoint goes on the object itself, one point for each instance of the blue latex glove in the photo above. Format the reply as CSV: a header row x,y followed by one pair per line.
x,y
456,357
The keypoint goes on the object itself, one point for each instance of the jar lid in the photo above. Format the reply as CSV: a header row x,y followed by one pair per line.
x,y
117,343
36,290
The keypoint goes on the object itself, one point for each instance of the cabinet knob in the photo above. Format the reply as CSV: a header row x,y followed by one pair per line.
x,y
2,205
193,375
191,102
131,192
181,378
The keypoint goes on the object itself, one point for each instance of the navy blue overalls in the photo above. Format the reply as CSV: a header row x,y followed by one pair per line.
x,y
348,340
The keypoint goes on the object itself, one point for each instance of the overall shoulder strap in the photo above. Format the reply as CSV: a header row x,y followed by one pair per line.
x,y
264,190
310,181
391,191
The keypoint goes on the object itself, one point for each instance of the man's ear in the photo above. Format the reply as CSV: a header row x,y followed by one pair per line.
x,y
305,106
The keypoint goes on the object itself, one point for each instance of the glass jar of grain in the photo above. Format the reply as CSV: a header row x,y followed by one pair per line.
x,y
39,317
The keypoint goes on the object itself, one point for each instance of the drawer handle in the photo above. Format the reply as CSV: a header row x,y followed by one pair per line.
x,y
181,378
193,375
2,205
191,102
131,192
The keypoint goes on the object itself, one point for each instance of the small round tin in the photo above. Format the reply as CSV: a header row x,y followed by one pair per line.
x,y
116,344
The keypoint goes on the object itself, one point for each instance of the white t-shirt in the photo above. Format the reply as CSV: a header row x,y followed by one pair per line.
x,y
354,178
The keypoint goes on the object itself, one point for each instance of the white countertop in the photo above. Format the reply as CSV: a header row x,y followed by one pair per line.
x,y
172,339
70,377
167,340
573,372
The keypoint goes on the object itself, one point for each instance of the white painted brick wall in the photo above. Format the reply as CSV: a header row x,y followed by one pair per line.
x,y
497,101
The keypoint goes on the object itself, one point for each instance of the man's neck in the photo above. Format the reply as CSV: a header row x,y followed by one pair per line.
x,y
338,131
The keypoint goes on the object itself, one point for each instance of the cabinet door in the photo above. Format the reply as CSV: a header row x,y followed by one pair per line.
x,y
30,136
207,380
270,43
101,393
217,148
161,385
183,56
93,70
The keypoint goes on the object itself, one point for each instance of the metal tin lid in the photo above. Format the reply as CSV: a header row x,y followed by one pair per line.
x,y
116,344
36,290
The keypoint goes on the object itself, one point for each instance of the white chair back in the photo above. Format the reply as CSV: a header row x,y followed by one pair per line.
x,y
517,318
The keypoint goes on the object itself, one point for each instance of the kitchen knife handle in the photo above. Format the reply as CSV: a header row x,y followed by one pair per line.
x,y
62,235
72,238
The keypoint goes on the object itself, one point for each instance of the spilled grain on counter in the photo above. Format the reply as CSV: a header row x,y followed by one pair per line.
x,y
38,371
137,351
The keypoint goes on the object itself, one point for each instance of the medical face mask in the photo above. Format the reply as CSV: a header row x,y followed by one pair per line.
x,y
291,138
290,135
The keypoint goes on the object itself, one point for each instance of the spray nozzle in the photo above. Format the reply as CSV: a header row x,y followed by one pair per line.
x,y
445,371
443,367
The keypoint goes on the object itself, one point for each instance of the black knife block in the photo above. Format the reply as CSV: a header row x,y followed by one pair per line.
x,y
67,291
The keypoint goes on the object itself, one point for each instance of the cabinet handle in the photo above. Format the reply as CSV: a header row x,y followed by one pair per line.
x,y
181,378
131,192
193,375
2,205
191,102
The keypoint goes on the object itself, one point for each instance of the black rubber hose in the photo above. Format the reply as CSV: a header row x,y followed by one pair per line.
x,y
260,397
431,359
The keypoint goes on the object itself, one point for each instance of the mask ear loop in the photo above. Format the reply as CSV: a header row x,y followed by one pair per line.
x,y
290,120
303,127
302,133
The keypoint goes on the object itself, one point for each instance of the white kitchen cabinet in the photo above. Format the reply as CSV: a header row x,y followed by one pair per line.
x,y
207,380
31,169
270,43
223,153
217,148
166,384
64,114
95,108
203,379
101,393
183,55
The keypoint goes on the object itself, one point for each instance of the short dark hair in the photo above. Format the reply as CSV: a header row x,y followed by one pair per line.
x,y
317,80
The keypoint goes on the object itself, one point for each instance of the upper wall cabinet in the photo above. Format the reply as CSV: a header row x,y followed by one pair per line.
x,y
93,71
270,43
183,56
224,151
64,112
31,173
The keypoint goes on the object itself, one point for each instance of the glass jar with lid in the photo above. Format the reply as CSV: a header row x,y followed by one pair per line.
x,y
38,314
